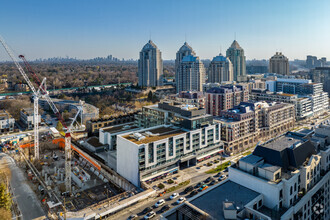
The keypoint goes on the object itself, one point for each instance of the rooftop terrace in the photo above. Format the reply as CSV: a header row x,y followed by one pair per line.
x,y
120,128
152,135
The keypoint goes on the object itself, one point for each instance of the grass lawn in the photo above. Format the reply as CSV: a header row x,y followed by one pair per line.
x,y
219,168
247,153
182,184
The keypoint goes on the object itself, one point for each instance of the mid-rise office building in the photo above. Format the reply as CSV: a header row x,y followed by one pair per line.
x,y
235,53
150,66
279,64
7,122
251,122
27,119
161,150
220,70
322,75
191,74
224,97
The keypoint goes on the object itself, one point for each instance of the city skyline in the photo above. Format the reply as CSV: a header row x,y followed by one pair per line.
x,y
85,30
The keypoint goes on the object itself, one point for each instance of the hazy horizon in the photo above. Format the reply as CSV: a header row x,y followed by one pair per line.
x,y
85,29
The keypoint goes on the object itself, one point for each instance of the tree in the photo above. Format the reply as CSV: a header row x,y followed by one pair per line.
x,y
5,198
150,96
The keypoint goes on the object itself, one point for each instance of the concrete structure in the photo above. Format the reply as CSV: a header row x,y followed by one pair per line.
x,y
191,74
224,97
185,50
291,174
158,151
220,70
195,98
94,125
235,53
108,135
150,66
250,122
26,117
279,64
7,122
168,112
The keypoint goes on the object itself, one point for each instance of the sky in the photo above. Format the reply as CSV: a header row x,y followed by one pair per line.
x,y
87,29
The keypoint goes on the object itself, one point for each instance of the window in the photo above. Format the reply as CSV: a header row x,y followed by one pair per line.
x,y
291,190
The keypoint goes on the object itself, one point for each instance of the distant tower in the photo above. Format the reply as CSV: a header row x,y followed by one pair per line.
x,y
185,50
279,64
150,66
191,74
220,70
236,55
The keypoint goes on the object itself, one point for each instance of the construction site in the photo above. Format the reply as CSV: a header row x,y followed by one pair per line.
x,y
70,182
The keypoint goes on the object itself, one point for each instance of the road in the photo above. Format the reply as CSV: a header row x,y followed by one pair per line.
x,y
27,201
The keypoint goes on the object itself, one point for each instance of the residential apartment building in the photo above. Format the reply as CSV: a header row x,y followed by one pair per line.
x,y
185,50
169,112
321,75
150,66
250,122
161,150
235,53
292,175
7,122
224,97
27,119
220,70
303,105
195,98
191,74
279,64
304,88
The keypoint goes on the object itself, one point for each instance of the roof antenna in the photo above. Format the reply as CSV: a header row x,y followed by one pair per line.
x,y
185,37
150,35
235,35
220,50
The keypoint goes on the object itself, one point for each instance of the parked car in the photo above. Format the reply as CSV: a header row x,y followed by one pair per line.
x,y
146,210
222,177
160,203
218,174
181,200
174,195
202,188
226,170
199,184
150,215
212,182
188,189
165,208
193,193
208,180
132,217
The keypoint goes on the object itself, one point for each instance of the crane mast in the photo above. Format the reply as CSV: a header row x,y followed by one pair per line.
x,y
43,92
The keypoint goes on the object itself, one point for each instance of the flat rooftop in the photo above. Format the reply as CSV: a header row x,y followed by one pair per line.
x,y
281,142
120,128
212,201
158,133
270,167
252,159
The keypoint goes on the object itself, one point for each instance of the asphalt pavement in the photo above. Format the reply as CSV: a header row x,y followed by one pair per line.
x,y
27,201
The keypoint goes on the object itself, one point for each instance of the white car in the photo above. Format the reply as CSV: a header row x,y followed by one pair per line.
x,y
222,177
150,215
174,195
160,203
181,200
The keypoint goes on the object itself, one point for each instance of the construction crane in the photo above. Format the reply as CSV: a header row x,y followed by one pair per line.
x,y
44,93
36,94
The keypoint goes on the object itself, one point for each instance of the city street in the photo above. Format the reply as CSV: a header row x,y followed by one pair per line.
x,y
25,197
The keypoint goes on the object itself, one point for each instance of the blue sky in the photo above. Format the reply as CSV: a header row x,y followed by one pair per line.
x,y
87,29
